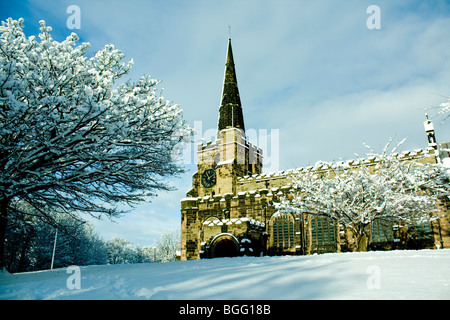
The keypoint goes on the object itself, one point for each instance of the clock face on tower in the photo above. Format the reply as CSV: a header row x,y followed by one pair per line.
x,y
209,178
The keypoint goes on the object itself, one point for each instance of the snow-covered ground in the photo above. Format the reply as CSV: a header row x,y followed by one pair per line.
x,y
420,274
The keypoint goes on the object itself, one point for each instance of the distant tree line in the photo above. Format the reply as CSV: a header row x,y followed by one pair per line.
x,y
29,246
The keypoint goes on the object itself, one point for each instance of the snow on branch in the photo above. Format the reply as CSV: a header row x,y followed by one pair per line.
x,y
385,186
71,138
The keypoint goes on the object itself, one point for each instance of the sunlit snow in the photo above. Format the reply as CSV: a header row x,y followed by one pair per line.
x,y
364,275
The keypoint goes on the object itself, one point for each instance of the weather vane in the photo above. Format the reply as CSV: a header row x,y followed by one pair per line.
x,y
229,31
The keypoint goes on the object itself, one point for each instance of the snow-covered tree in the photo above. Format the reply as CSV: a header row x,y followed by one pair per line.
x,y
20,238
380,187
120,251
73,140
443,109
168,245
145,254
30,241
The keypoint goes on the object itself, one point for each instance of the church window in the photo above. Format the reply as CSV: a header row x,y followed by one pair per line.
x,y
423,230
382,231
420,230
283,231
322,231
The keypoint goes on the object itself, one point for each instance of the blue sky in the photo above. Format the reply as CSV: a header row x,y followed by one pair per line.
x,y
311,70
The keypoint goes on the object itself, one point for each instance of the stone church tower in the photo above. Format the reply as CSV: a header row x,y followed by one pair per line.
x,y
209,217
230,209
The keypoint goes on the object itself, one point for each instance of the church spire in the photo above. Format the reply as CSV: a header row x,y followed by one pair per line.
x,y
230,111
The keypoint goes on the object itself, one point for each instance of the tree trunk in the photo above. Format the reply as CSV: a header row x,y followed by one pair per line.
x,y
362,243
23,253
362,240
3,223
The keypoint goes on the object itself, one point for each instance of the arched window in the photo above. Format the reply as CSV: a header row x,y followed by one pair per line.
x,y
323,231
282,230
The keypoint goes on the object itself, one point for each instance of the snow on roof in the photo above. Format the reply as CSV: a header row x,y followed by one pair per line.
x,y
189,199
230,161
323,165
218,222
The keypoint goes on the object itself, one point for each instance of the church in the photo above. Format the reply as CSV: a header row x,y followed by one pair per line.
x,y
229,211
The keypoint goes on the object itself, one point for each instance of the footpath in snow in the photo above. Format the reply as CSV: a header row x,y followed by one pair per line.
x,y
422,274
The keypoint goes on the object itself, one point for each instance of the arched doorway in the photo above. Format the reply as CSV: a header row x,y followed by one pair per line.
x,y
225,248
224,245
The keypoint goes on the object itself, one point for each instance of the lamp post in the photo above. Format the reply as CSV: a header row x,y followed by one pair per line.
x,y
54,249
